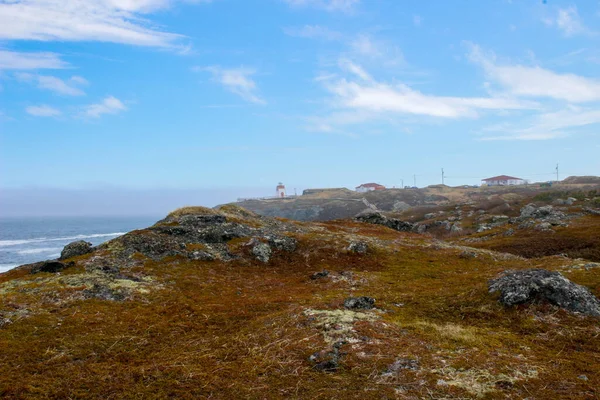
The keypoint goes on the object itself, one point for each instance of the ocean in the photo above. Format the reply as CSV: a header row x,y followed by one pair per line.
x,y
30,239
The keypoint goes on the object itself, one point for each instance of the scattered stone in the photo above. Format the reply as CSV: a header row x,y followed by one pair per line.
x,y
400,364
544,226
327,361
284,243
262,252
319,275
591,211
359,247
483,228
429,216
52,266
74,249
359,303
455,227
583,377
589,266
102,265
201,255
421,228
539,285
509,232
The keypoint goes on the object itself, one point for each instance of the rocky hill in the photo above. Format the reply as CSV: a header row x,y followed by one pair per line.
x,y
330,204
228,304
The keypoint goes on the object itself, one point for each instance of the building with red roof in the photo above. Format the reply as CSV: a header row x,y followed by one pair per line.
x,y
503,180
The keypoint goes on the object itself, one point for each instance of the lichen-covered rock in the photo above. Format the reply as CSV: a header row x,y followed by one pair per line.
x,y
75,249
262,252
284,243
400,364
359,303
373,217
327,360
358,247
539,285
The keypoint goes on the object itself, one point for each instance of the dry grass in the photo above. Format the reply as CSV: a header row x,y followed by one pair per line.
x,y
191,210
244,329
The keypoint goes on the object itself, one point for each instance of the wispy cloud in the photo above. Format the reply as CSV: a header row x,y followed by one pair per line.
x,y
313,32
358,97
548,125
369,48
43,111
328,5
568,21
117,21
70,87
535,81
109,105
11,60
236,80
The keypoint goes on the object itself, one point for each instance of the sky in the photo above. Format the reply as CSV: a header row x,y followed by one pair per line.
x,y
138,106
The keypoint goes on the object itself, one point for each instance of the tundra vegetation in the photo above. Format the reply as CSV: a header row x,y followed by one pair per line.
x,y
229,304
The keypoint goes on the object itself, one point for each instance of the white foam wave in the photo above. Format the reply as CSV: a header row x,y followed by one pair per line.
x,y
5,243
40,250
7,267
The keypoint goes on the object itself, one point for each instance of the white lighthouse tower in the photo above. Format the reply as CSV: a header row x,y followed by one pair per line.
x,y
280,190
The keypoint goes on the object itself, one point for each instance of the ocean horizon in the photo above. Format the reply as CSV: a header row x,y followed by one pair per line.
x,y
25,240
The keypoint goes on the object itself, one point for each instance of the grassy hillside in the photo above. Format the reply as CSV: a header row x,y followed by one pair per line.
x,y
185,309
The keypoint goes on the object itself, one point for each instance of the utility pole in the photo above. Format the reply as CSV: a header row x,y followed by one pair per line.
x,y
442,176
415,180
556,172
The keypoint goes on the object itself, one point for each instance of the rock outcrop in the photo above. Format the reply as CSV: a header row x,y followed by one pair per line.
x,y
539,285
377,218
75,249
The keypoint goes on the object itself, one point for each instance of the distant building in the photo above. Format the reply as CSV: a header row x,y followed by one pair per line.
x,y
280,190
367,187
503,180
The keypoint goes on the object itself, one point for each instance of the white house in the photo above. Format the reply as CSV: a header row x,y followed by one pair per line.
x,y
367,187
503,180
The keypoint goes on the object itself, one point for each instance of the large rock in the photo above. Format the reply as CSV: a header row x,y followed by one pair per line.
x,y
52,266
540,285
359,303
75,249
374,217
262,252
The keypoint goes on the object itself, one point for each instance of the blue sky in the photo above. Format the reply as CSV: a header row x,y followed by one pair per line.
x,y
233,96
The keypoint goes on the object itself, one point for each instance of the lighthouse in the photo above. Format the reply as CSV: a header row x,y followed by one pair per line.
x,y
280,190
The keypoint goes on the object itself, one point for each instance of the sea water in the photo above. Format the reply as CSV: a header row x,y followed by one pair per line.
x,y
31,239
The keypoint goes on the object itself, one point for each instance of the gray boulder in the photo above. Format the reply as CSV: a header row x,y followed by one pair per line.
x,y
262,252
359,303
374,217
284,243
75,249
359,247
539,285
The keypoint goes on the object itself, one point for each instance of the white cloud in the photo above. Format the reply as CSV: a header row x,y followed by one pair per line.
x,y
54,84
43,111
313,32
417,20
236,80
568,21
11,60
537,82
359,98
328,5
368,48
110,105
117,21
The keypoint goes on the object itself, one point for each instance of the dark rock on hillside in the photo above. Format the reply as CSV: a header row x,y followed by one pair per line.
x,y
359,303
539,285
359,247
48,266
377,218
75,249
318,275
284,243
327,360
